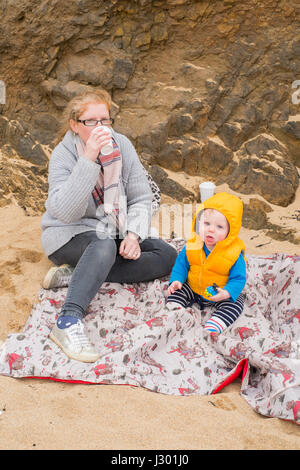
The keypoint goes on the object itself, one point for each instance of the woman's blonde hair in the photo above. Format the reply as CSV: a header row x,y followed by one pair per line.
x,y
78,105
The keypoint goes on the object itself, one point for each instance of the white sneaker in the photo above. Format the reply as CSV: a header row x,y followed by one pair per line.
x,y
58,276
74,342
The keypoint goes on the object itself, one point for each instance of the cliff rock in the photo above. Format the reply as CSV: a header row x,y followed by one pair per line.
x,y
205,87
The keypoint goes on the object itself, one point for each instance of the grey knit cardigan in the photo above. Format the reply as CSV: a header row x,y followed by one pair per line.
x,y
70,207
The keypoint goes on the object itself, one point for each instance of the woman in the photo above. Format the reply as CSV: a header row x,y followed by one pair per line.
x,y
97,218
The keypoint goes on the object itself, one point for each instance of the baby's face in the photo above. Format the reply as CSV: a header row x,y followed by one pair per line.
x,y
213,227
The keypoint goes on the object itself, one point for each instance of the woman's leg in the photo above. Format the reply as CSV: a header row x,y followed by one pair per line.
x,y
96,261
156,260
93,258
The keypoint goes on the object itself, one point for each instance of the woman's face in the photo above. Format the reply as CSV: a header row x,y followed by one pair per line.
x,y
94,111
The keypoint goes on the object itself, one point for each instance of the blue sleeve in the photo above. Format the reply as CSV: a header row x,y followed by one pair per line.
x,y
181,267
237,278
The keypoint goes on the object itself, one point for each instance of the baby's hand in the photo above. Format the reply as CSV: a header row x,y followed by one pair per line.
x,y
221,295
174,286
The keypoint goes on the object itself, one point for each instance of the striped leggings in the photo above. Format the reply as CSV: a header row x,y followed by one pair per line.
x,y
225,314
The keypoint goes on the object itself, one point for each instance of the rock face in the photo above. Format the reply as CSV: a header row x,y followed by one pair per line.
x,y
208,87
262,166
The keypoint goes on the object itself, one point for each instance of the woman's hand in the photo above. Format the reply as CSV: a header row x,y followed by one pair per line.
x,y
175,285
99,137
130,247
221,295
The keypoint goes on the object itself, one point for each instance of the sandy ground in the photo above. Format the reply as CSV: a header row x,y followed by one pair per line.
x,y
37,414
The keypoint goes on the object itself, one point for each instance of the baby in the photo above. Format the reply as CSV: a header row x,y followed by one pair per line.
x,y
211,268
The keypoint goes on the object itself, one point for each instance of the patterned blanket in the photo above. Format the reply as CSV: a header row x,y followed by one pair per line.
x,y
143,344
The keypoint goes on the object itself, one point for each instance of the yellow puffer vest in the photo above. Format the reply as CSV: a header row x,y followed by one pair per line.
x,y
215,268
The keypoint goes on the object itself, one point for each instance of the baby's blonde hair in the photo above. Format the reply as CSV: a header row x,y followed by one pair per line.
x,y
78,105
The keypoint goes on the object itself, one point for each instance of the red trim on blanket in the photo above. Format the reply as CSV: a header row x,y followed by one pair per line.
x,y
73,381
241,367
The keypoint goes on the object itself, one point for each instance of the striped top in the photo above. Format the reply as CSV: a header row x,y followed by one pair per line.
x,y
70,207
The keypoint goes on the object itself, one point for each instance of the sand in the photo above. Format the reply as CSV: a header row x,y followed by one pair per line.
x,y
41,414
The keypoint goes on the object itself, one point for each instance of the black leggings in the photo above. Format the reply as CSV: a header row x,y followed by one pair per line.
x,y
97,260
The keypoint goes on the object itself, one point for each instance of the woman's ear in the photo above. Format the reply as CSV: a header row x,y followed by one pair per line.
x,y
74,126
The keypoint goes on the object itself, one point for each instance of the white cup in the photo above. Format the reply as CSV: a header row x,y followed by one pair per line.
x,y
207,190
108,148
